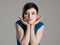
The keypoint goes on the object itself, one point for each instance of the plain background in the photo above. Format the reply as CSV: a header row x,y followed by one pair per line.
x,y
10,9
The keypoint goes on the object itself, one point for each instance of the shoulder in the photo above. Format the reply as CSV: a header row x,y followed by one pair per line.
x,y
39,24
18,21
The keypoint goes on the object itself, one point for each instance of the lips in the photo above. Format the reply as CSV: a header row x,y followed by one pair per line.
x,y
29,19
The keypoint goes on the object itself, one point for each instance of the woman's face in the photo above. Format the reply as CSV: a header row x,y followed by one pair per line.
x,y
30,15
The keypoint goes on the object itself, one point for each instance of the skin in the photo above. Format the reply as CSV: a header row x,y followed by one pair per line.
x,y
30,19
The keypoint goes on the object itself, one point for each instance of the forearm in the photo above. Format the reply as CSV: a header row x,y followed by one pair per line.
x,y
26,38
32,36
36,38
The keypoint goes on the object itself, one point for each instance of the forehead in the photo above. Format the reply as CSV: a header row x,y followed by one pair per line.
x,y
31,10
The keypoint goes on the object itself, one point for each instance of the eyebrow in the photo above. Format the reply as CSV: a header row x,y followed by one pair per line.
x,y
32,11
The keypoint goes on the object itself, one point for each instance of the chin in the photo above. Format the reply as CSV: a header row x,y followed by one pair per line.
x,y
30,22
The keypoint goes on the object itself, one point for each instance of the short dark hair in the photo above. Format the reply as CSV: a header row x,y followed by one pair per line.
x,y
28,6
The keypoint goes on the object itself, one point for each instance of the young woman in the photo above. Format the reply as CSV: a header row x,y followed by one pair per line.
x,y
29,28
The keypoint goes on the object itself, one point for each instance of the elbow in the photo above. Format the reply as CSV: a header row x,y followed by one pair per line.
x,y
34,43
24,43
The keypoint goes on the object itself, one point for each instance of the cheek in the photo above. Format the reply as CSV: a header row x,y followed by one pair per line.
x,y
35,17
25,16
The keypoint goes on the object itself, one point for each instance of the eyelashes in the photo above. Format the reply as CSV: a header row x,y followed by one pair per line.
x,y
25,13
29,13
33,13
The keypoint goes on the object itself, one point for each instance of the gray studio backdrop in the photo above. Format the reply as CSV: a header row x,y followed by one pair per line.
x,y
10,9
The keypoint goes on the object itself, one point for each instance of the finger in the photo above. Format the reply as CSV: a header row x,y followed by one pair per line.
x,y
19,17
41,17
24,22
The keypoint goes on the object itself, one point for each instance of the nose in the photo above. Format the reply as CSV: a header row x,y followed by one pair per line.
x,y
29,16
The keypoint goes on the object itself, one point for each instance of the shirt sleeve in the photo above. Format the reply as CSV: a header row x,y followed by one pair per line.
x,y
38,25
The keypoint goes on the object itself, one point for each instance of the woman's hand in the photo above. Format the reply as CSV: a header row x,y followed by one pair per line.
x,y
37,20
23,21
26,23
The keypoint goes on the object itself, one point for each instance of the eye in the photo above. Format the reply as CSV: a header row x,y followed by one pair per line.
x,y
25,13
33,13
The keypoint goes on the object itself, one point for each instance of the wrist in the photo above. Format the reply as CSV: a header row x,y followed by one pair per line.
x,y
28,26
32,27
